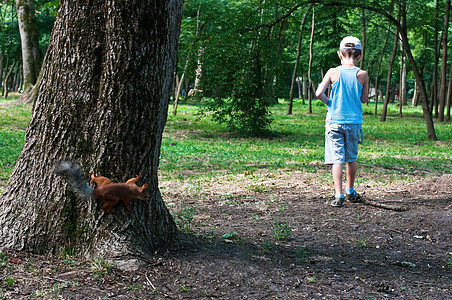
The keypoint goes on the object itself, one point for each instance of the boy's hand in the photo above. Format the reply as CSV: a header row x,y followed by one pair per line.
x,y
320,92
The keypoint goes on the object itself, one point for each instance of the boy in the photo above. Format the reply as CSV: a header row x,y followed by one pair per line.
x,y
349,88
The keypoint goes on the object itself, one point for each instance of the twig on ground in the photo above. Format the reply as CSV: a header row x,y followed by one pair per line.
x,y
150,283
383,205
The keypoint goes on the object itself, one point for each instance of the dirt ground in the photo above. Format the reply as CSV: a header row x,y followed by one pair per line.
x,y
271,236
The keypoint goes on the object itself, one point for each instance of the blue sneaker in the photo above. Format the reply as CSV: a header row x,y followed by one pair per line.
x,y
353,198
337,202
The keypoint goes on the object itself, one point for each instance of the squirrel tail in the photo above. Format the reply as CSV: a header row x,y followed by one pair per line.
x,y
72,171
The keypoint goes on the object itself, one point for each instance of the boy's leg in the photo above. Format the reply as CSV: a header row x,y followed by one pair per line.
x,y
337,178
351,173
335,156
351,195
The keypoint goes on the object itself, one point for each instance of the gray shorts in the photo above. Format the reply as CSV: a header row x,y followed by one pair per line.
x,y
341,143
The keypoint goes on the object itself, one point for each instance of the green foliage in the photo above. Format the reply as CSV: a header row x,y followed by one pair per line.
x,y
100,267
246,50
184,218
3,259
8,282
281,230
231,237
303,254
45,12
67,253
449,263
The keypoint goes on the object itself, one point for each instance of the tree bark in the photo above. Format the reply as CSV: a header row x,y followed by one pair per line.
x,y
388,78
177,92
442,91
196,91
415,97
377,75
8,75
363,41
31,55
2,57
402,92
103,100
449,94
310,61
434,94
420,81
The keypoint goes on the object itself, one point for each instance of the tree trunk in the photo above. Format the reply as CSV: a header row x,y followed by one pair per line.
x,y
363,40
7,77
420,81
297,61
442,91
449,94
31,55
415,96
310,60
2,57
402,92
388,78
434,94
177,93
377,75
103,100
196,91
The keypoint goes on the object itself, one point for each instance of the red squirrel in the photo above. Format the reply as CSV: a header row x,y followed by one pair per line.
x,y
107,192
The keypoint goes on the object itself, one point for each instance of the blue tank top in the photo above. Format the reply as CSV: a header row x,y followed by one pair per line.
x,y
344,106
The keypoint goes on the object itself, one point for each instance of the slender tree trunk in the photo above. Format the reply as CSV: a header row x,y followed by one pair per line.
x,y
388,78
297,61
442,91
177,93
310,60
17,78
31,55
415,97
187,85
402,92
377,75
298,83
434,94
6,84
182,81
449,94
196,91
420,81
363,40
103,100
2,57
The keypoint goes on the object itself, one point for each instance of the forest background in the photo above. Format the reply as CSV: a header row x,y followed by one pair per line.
x,y
240,57
251,66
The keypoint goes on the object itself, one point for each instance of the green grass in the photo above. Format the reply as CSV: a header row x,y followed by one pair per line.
x,y
13,122
195,148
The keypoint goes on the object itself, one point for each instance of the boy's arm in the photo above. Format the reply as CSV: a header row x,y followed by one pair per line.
x,y
320,92
365,90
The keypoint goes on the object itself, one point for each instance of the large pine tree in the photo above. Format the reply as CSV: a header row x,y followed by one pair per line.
x,y
102,100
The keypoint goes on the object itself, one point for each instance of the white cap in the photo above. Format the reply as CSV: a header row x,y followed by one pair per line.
x,y
356,44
